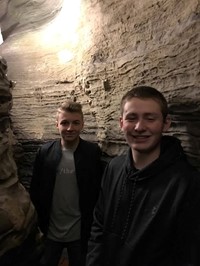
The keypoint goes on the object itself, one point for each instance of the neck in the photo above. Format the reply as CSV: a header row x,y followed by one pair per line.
x,y
70,144
141,160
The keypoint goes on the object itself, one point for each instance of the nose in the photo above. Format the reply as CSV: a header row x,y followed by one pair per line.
x,y
140,125
70,126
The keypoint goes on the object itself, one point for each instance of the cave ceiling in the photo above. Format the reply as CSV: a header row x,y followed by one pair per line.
x,y
18,16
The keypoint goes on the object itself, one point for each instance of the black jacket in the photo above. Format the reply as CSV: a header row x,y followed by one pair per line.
x,y
88,172
149,217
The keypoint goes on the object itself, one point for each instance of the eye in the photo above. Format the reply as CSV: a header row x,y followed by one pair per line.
x,y
131,118
64,123
76,123
151,118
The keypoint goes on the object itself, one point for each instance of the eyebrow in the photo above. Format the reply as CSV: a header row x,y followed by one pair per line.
x,y
145,114
70,121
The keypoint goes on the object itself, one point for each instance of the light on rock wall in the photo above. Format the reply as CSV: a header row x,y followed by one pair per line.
x,y
1,37
65,56
62,33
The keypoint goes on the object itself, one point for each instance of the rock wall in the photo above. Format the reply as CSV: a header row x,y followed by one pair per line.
x,y
114,45
17,214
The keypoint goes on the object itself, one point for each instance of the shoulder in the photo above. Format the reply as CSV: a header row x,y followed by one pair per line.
x,y
193,174
114,172
54,144
185,176
116,165
118,160
89,145
183,167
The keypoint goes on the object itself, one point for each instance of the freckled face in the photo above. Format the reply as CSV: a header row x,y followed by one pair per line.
x,y
142,123
69,126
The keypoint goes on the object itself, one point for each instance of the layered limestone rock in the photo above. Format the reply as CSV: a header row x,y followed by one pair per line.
x,y
17,214
106,48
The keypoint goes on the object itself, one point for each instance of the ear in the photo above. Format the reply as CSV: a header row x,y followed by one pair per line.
x,y
121,122
56,124
82,125
167,123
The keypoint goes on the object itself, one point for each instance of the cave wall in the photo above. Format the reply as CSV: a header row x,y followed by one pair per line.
x,y
115,45
18,218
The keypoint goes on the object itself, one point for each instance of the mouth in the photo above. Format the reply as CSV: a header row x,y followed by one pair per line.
x,y
70,135
141,138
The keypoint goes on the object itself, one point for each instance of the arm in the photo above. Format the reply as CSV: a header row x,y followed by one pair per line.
x,y
95,244
188,229
195,226
36,178
43,180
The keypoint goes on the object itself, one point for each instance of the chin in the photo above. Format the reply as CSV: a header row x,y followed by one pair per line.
x,y
139,148
70,140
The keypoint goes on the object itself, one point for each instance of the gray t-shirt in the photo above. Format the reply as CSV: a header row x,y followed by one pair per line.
x,y
65,215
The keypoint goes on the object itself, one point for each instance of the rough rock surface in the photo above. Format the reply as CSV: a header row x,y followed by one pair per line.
x,y
17,214
111,46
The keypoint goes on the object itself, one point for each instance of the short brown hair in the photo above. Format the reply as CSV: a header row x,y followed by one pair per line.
x,y
70,106
146,92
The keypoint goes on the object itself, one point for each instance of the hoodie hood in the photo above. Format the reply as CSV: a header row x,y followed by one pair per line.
x,y
171,151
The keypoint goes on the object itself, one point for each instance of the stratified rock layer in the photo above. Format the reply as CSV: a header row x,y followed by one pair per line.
x,y
95,59
17,214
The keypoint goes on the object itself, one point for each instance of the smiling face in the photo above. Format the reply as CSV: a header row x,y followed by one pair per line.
x,y
142,123
69,125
